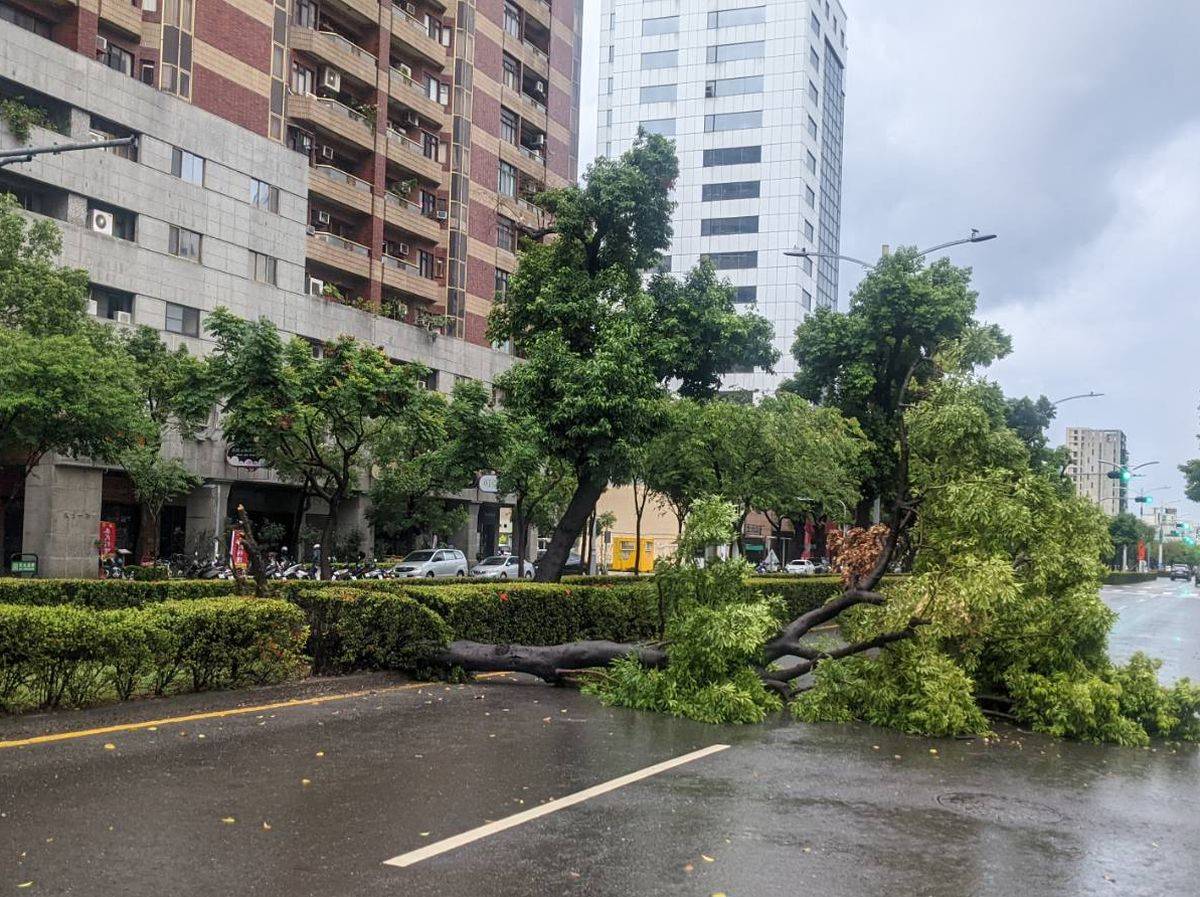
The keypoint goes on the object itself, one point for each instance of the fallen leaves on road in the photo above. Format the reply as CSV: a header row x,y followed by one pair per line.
x,y
25,884
228,820
306,782
688,867
320,753
707,858
424,834
109,746
266,826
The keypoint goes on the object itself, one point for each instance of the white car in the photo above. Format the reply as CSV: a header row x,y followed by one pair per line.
x,y
432,562
800,566
501,566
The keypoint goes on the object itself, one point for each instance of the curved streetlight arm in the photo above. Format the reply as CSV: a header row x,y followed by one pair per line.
x,y
1147,464
976,237
805,254
1082,395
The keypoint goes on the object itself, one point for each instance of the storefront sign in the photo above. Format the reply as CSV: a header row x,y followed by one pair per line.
x,y
238,556
24,565
243,458
108,538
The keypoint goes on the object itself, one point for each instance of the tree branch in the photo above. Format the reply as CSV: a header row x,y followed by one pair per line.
x,y
786,674
545,661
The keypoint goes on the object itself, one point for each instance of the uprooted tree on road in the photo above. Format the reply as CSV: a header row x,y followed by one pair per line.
x,y
1001,615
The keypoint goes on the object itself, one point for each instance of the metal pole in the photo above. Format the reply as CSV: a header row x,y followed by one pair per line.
x,y
1124,557
592,559
10,157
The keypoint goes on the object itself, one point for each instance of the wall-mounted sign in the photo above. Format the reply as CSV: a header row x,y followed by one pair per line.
x,y
243,458
489,482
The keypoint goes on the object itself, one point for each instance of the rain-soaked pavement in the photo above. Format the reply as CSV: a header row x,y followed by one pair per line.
x,y
313,798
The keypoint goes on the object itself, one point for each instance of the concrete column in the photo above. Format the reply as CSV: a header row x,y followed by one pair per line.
x,y
62,519
207,511
352,515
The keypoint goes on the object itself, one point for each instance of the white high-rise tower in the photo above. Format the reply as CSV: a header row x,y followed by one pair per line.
x,y
752,93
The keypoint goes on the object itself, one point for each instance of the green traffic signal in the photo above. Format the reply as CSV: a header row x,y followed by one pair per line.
x,y
1125,475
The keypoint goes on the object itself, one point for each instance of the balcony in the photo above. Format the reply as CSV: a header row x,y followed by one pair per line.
x,y
410,155
342,54
340,253
415,36
525,213
523,102
123,15
366,9
401,275
408,217
340,187
533,59
526,160
332,116
407,92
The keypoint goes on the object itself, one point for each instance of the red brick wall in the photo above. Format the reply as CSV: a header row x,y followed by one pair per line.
x,y
235,32
485,116
483,167
481,278
487,57
231,101
477,329
482,224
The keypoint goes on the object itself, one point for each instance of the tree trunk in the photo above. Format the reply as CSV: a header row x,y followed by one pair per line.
x,y
863,512
148,535
258,567
545,661
298,522
519,534
327,539
587,493
637,534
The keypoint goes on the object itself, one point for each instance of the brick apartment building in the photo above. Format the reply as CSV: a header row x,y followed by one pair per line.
x,y
340,166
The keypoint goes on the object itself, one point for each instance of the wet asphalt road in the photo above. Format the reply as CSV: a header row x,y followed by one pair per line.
x,y
1161,618
321,794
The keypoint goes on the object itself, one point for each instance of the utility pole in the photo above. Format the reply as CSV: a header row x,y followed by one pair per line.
x,y
10,157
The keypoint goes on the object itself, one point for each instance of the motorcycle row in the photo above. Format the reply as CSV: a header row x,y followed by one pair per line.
x,y
279,566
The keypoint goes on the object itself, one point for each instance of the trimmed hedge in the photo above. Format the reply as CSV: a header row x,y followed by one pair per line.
x,y
1127,577
77,655
109,594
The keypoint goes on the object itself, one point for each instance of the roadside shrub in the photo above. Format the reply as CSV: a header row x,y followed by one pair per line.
x,y
1127,577
109,594
150,573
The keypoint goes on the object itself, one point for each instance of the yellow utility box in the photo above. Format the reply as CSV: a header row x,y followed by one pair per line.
x,y
624,554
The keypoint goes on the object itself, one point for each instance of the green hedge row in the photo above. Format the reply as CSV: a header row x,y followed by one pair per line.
x,y
1127,577
77,655
109,594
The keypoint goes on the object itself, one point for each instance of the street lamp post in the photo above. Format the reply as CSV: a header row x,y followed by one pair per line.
x,y
799,252
1082,395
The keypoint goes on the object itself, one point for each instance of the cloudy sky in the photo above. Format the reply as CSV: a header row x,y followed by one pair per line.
x,y
1070,128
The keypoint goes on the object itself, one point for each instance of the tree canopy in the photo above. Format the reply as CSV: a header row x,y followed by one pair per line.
x,y
599,347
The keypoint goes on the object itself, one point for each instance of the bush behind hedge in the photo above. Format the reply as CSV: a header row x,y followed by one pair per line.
x,y
1127,577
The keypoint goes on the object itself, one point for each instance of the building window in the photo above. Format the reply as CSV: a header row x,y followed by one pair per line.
x,y
109,303
512,72
815,24
810,197
657,93
812,128
425,263
812,93
506,233
807,300
814,59
733,121
262,268
812,163
118,59
806,264
509,125
263,195
663,59
808,230
187,166
148,73
731,52
729,190
512,20
120,223
182,319
726,18
743,295
717,227
732,87
306,13
22,19
508,180
428,203
732,155
663,25
184,243
101,129
302,79
726,261
502,277
663,126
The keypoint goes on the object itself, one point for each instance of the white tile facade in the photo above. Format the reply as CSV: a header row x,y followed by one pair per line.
x,y
793,43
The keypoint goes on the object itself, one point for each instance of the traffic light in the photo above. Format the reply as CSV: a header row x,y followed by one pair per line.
x,y
1119,473
1125,475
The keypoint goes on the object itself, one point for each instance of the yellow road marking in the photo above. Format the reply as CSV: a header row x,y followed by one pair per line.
x,y
220,714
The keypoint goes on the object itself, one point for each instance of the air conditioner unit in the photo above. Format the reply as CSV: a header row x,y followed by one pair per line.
x,y
412,119
326,152
443,215
410,8
539,86
124,317
100,221
405,70
101,44
315,286
322,217
93,307
331,79
305,142
539,141
401,249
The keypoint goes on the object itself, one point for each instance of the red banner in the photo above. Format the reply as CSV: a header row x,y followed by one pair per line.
x,y
238,556
108,538
1141,549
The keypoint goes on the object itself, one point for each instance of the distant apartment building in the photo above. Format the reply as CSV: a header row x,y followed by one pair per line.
x,y
338,166
1094,453
752,92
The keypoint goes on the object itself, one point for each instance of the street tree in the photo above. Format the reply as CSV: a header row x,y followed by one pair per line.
x,y
1126,531
66,385
599,348
540,485
675,469
311,419
432,450
903,316
178,400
